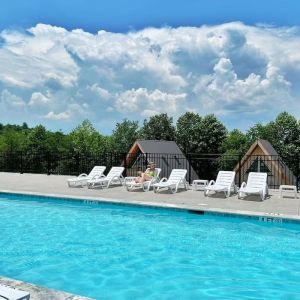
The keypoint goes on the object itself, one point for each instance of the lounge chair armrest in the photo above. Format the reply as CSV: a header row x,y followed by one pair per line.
x,y
117,177
164,179
83,175
212,182
244,184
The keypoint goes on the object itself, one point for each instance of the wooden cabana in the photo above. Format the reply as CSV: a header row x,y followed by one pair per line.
x,y
165,154
262,157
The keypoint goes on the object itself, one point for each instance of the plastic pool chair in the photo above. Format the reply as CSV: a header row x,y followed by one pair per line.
x,y
113,176
224,183
13,294
146,185
256,185
81,180
175,180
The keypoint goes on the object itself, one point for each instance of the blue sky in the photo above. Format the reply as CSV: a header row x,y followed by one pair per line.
x,y
124,15
64,61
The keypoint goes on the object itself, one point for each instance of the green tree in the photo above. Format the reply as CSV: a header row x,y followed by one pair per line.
x,y
85,139
284,134
233,147
24,126
235,143
212,133
187,132
37,140
106,144
158,127
124,135
258,131
58,142
11,140
37,149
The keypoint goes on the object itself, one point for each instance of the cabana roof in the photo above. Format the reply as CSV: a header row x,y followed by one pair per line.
x,y
155,146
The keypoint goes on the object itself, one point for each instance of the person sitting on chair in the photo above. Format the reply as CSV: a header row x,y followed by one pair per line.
x,y
147,175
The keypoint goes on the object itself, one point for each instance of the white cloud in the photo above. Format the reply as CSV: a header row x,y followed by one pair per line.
x,y
57,116
73,111
99,91
8,98
148,102
228,69
38,98
30,60
224,90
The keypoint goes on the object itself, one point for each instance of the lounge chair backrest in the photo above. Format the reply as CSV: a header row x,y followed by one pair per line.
x,y
177,175
115,171
257,180
96,171
225,178
157,172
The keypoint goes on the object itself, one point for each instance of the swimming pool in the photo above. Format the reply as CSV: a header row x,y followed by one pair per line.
x,y
109,251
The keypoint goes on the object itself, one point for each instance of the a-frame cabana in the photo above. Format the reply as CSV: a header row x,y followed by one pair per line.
x,y
165,154
262,157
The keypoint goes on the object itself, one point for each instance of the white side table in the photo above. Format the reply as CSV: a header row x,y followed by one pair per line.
x,y
199,184
288,189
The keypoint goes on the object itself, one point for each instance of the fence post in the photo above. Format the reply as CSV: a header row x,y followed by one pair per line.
x,y
190,167
78,163
21,162
146,161
48,163
240,170
297,171
125,164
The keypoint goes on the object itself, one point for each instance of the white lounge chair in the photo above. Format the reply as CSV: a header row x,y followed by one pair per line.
x,y
113,176
224,183
13,294
81,180
146,185
175,180
256,185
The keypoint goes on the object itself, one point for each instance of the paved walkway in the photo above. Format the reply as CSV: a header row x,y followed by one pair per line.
x,y
195,200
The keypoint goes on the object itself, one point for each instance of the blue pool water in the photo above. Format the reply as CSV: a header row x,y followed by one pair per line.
x,y
108,251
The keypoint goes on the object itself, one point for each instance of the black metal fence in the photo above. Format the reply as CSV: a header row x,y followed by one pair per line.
x,y
204,166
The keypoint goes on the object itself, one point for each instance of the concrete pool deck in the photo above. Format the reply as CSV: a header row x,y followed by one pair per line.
x,y
56,185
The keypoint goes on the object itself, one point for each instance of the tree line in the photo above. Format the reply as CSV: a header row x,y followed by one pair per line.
x,y
192,132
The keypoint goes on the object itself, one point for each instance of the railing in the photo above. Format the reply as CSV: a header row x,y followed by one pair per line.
x,y
204,166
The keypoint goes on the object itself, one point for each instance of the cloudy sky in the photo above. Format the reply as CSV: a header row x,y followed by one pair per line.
x,y
63,63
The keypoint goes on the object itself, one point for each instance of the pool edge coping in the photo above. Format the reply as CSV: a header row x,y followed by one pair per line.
x,y
260,216
39,292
